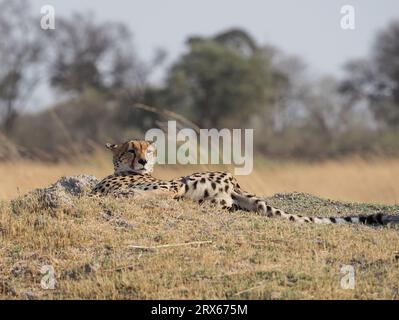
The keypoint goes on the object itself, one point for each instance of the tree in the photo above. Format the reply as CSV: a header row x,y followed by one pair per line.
x,y
100,56
20,56
221,81
376,80
386,55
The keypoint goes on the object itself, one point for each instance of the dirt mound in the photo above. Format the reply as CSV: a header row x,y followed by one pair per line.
x,y
59,194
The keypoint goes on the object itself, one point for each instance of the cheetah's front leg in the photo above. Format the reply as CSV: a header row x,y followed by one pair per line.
x,y
140,193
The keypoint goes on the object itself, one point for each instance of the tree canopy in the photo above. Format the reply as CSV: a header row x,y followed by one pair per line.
x,y
221,79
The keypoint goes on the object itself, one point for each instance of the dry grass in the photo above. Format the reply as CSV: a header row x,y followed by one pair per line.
x,y
348,180
163,249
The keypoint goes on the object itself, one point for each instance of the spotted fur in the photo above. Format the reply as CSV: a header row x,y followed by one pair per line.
x,y
134,161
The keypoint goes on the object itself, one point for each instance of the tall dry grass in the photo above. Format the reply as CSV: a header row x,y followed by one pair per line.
x,y
354,179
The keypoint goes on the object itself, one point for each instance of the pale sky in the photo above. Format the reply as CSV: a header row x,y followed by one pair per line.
x,y
307,28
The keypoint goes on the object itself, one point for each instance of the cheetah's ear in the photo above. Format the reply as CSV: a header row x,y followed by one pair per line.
x,y
111,146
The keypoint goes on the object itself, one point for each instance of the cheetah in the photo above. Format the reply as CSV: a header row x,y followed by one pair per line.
x,y
134,162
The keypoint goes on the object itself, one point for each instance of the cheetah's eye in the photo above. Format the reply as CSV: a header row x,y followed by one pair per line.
x,y
131,152
149,151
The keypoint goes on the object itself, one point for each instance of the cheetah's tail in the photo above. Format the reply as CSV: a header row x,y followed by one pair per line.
x,y
252,203
371,219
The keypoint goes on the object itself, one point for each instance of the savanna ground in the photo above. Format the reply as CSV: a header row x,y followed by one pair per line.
x,y
163,249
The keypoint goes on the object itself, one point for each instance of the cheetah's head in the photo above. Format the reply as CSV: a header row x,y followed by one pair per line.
x,y
134,155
